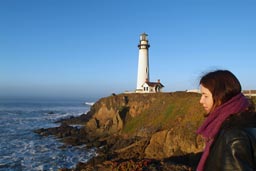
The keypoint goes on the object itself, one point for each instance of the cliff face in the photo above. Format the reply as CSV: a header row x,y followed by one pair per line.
x,y
167,120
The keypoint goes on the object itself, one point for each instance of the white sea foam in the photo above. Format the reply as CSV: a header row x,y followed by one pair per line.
x,y
89,103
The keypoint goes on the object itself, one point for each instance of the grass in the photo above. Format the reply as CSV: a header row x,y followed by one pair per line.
x,y
166,111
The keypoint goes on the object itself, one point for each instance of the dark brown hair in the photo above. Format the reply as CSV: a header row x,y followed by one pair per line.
x,y
223,85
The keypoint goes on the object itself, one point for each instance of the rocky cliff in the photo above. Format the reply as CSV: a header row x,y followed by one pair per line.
x,y
169,120
154,126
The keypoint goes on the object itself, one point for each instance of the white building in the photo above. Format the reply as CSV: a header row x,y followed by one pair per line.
x,y
143,83
152,87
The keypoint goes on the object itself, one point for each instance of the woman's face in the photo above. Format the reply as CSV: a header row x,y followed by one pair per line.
x,y
206,98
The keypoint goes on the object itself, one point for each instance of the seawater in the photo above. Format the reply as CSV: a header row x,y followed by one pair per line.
x,y
22,149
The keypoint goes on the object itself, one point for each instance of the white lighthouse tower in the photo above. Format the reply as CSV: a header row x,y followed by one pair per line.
x,y
143,64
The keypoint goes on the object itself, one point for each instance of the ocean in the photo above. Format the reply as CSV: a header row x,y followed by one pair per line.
x,y
22,149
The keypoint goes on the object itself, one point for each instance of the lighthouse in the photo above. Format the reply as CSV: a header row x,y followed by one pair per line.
x,y
143,63
143,83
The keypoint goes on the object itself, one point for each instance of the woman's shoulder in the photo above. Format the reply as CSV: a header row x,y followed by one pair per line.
x,y
239,127
240,120
236,134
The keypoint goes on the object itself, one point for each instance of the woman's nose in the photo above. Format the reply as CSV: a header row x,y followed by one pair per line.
x,y
201,100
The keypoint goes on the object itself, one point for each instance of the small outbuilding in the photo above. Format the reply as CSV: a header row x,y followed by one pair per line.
x,y
152,87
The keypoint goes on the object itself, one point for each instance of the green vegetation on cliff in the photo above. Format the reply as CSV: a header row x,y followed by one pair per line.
x,y
165,111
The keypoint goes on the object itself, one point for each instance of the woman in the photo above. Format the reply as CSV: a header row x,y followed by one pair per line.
x,y
230,126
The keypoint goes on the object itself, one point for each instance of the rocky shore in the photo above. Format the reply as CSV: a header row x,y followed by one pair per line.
x,y
154,132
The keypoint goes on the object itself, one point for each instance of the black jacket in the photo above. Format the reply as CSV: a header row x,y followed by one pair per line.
x,y
234,148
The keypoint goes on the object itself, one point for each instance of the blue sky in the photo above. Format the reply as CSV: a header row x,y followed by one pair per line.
x,y
88,48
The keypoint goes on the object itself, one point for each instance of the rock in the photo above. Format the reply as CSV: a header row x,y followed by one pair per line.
x,y
50,112
166,143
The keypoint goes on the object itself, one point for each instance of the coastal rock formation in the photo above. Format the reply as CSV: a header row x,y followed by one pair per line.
x,y
170,119
154,127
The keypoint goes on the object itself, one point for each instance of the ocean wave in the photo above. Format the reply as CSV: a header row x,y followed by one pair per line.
x,y
22,149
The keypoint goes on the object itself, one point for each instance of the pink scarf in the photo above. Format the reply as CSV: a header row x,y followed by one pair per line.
x,y
213,122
